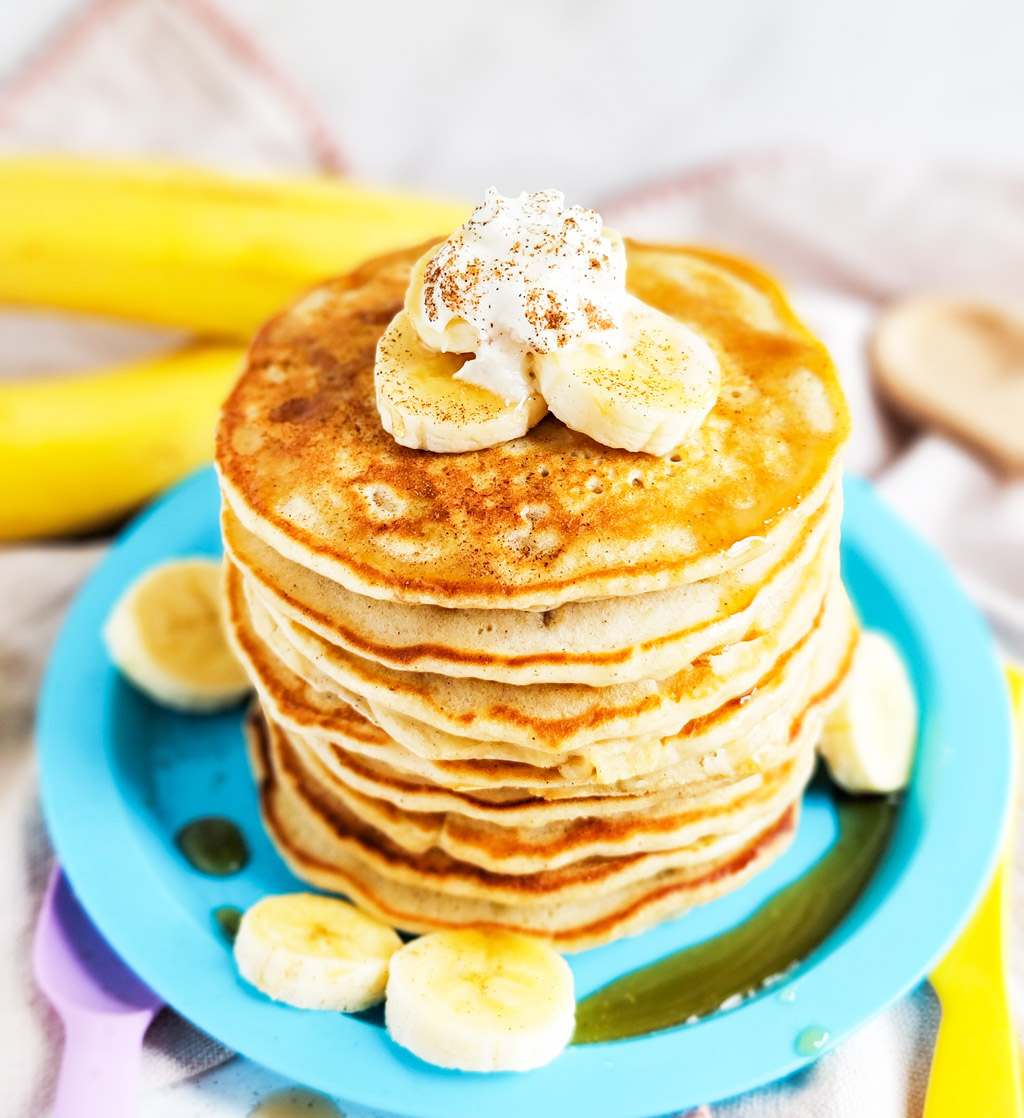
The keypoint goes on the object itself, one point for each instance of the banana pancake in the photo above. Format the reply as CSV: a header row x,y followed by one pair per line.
x,y
662,821
575,909
531,796
551,685
713,742
612,640
552,716
550,517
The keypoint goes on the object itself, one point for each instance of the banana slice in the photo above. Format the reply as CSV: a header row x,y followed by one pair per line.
x,y
315,952
167,635
869,739
480,1001
456,336
424,407
650,394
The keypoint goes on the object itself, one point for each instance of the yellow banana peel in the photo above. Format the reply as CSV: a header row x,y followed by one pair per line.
x,y
78,450
164,244
185,247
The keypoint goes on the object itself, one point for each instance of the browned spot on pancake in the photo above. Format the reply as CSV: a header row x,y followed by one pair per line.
x,y
330,371
378,316
295,409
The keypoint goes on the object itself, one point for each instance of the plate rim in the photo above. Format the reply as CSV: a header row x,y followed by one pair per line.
x,y
627,1077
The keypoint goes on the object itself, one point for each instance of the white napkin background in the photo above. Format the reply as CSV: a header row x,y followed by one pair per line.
x,y
125,77
835,227
167,77
847,237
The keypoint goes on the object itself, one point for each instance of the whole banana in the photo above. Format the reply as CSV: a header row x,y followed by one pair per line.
x,y
76,451
185,247
164,244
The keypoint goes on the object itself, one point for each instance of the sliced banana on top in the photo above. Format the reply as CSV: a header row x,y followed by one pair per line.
x,y
480,1000
167,635
649,394
869,739
424,406
456,336
315,952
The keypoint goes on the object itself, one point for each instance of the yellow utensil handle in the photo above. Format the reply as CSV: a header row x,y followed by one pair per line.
x,y
976,1065
975,1068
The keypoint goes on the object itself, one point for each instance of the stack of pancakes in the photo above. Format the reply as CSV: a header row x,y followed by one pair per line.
x,y
550,686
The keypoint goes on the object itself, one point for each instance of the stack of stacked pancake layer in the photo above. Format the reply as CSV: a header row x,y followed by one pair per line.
x,y
550,685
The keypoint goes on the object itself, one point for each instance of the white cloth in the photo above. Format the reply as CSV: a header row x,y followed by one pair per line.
x,y
848,237
144,77
36,584
167,77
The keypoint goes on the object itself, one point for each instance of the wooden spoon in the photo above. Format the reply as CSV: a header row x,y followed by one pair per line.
x,y
958,366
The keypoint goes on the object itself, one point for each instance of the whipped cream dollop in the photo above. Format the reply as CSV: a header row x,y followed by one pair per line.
x,y
522,275
522,311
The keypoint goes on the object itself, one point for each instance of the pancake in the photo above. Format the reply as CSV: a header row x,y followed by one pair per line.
x,y
324,848
429,868
612,640
719,739
535,797
547,716
656,822
548,686
551,517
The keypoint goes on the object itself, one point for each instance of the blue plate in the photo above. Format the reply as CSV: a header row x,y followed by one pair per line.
x,y
121,775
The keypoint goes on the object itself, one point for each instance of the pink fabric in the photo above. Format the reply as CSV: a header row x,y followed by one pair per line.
x,y
167,78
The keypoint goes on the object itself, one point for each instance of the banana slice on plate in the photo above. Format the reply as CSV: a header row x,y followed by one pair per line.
x,y
315,952
480,1000
869,739
424,406
648,394
167,635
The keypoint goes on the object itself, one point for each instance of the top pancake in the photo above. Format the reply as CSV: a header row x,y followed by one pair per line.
x,y
551,517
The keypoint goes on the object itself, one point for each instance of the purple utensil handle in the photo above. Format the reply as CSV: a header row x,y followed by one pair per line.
x,y
103,1005
101,1068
